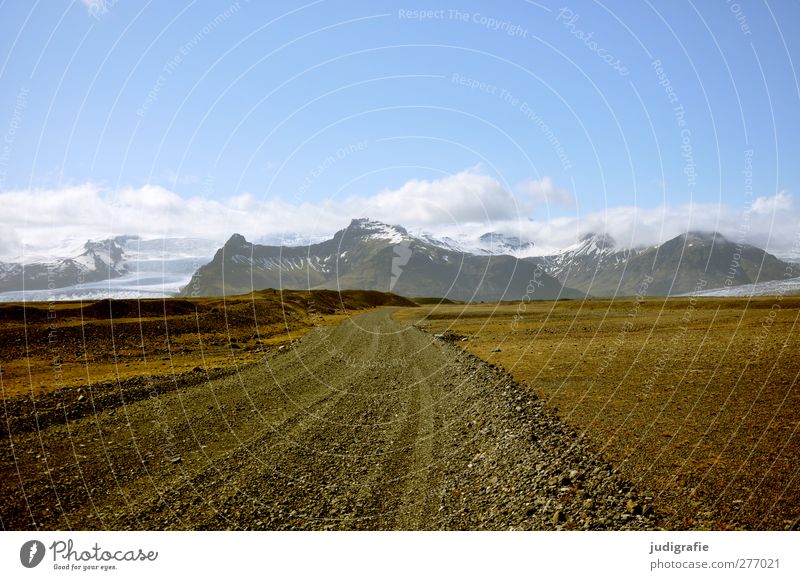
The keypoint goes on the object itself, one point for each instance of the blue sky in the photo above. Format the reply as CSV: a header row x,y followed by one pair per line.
x,y
263,113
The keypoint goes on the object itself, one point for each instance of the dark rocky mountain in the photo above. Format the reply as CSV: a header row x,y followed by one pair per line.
x,y
688,263
370,255
96,261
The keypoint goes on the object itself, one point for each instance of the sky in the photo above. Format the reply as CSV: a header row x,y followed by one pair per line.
x,y
547,120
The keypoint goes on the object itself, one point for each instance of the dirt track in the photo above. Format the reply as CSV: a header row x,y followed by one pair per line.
x,y
369,425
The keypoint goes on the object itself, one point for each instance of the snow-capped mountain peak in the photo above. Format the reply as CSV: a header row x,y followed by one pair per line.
x,y
592,244
444,242
591,252
105,254
122,266
499,243
367,229
488,244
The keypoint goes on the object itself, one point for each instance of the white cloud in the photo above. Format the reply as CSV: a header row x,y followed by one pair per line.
x,y
633,226
781,201
468,203
544,192
468,196
150,198
10,242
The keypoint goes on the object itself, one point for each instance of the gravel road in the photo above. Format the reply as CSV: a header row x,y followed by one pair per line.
x,y
372,424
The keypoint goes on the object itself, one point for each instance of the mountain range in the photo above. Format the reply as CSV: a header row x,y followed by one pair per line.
x,y
119,267
689,263
371,255
376,256
96,261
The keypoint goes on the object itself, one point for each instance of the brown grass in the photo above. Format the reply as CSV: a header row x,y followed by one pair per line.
x,y
697,400
46,347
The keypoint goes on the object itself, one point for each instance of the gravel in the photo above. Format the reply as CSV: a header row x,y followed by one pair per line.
x,y
369,425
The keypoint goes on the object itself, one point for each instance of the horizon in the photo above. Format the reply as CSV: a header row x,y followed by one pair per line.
x,y
71,247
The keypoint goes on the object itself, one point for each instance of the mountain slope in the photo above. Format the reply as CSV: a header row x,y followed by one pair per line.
x,y
98,261
688,263
371,255
125,267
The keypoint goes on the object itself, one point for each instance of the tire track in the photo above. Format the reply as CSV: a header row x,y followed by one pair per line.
x,y
369,425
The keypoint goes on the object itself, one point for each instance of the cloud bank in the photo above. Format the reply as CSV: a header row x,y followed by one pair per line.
x,y
465,204
544,193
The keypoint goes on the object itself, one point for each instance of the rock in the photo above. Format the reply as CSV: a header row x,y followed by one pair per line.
x,y
634,508
559,518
